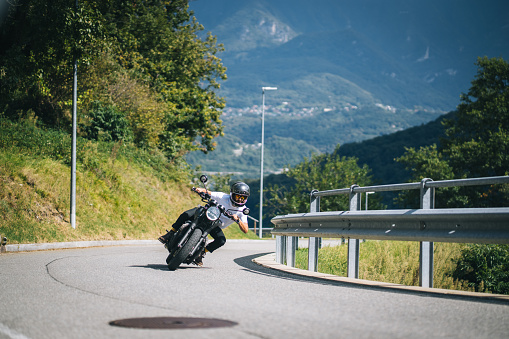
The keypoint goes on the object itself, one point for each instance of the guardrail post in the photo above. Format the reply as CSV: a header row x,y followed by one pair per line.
x,y
314,242
427,200
291,247
353,244
280,249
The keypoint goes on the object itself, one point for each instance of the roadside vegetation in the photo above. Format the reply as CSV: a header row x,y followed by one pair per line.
x,y
465,267
391,261
123,192
146,97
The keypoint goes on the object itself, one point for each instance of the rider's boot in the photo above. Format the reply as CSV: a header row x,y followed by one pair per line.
x,y
199,259
165,239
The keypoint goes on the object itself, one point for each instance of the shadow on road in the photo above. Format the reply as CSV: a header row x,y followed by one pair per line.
x,y
250,266
161,267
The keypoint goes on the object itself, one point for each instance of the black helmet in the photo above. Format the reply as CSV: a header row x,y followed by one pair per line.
x,y
239,192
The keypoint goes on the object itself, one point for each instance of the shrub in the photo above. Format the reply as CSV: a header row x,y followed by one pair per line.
x,y
485,267
108,124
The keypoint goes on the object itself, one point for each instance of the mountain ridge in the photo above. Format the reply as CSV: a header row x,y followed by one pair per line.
x,y
438,41
349,71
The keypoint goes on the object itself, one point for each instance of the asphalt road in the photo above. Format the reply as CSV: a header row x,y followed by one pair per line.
x,y
77,293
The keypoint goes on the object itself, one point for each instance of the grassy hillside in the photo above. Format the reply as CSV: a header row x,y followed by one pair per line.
x,y
122,192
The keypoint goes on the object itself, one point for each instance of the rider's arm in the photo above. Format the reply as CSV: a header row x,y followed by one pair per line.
x,y
242,225
202,190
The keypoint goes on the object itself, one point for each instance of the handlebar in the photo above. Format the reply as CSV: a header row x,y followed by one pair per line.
x,y
205,197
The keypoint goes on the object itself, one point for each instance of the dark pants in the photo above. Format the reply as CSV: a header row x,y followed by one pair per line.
x,y
216,234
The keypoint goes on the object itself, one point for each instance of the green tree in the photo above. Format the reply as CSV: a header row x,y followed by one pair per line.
x,y
476,142
429,162
145,58
321,172
107,124
485,267
159,42
39,41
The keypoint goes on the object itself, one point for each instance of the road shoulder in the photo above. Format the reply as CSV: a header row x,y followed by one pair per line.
x,y
269,261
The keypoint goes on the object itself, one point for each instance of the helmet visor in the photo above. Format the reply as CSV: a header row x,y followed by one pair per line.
x,y
239,198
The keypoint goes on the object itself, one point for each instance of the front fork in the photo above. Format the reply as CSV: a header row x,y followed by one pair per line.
x,y
203,242
186,235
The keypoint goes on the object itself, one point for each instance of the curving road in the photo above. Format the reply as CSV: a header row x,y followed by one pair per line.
x,y
77,293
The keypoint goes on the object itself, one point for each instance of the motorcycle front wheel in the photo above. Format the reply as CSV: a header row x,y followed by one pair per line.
x,y
185,251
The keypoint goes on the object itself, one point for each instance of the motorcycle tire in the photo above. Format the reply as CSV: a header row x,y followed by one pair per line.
x,y
185,251
175,239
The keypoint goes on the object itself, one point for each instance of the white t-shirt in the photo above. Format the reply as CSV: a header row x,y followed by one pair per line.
x,y
224,199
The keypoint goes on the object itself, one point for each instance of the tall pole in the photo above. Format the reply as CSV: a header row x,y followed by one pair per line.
x,y
73,151
261,161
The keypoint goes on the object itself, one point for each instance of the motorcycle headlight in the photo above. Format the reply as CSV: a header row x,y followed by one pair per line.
x,y
213,213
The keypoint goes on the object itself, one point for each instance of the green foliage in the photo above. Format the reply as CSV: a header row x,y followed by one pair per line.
x,y
38,44
26,139
321,172
107,124
142,57
485,267
476,142
429,162
123,192
158,41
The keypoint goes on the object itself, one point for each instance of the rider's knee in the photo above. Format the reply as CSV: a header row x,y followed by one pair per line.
x,y
221,241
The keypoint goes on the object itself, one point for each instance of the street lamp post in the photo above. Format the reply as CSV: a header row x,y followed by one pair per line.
x,y
72,214
261,166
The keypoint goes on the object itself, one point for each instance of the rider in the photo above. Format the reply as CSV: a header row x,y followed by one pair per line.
x,y
234,203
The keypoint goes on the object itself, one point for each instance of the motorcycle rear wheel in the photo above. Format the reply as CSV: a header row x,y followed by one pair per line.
x,y
185,251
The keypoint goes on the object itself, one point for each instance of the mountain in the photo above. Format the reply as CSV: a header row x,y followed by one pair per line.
x,y
291,138
346,71
378,153
405,53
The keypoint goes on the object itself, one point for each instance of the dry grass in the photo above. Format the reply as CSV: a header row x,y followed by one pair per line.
x,y
390,261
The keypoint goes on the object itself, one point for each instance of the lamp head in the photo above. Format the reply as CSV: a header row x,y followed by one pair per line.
x,y
269,88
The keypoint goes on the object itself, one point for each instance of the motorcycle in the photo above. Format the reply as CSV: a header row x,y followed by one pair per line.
x,y
191,238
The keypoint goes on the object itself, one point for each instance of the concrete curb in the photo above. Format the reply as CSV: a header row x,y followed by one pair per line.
x,y
75,244
269,261
85,244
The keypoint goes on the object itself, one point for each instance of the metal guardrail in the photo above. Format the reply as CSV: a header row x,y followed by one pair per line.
x,y
426,225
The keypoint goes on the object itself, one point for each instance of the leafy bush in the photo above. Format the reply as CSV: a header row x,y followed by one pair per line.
x,y
108,124
485,267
